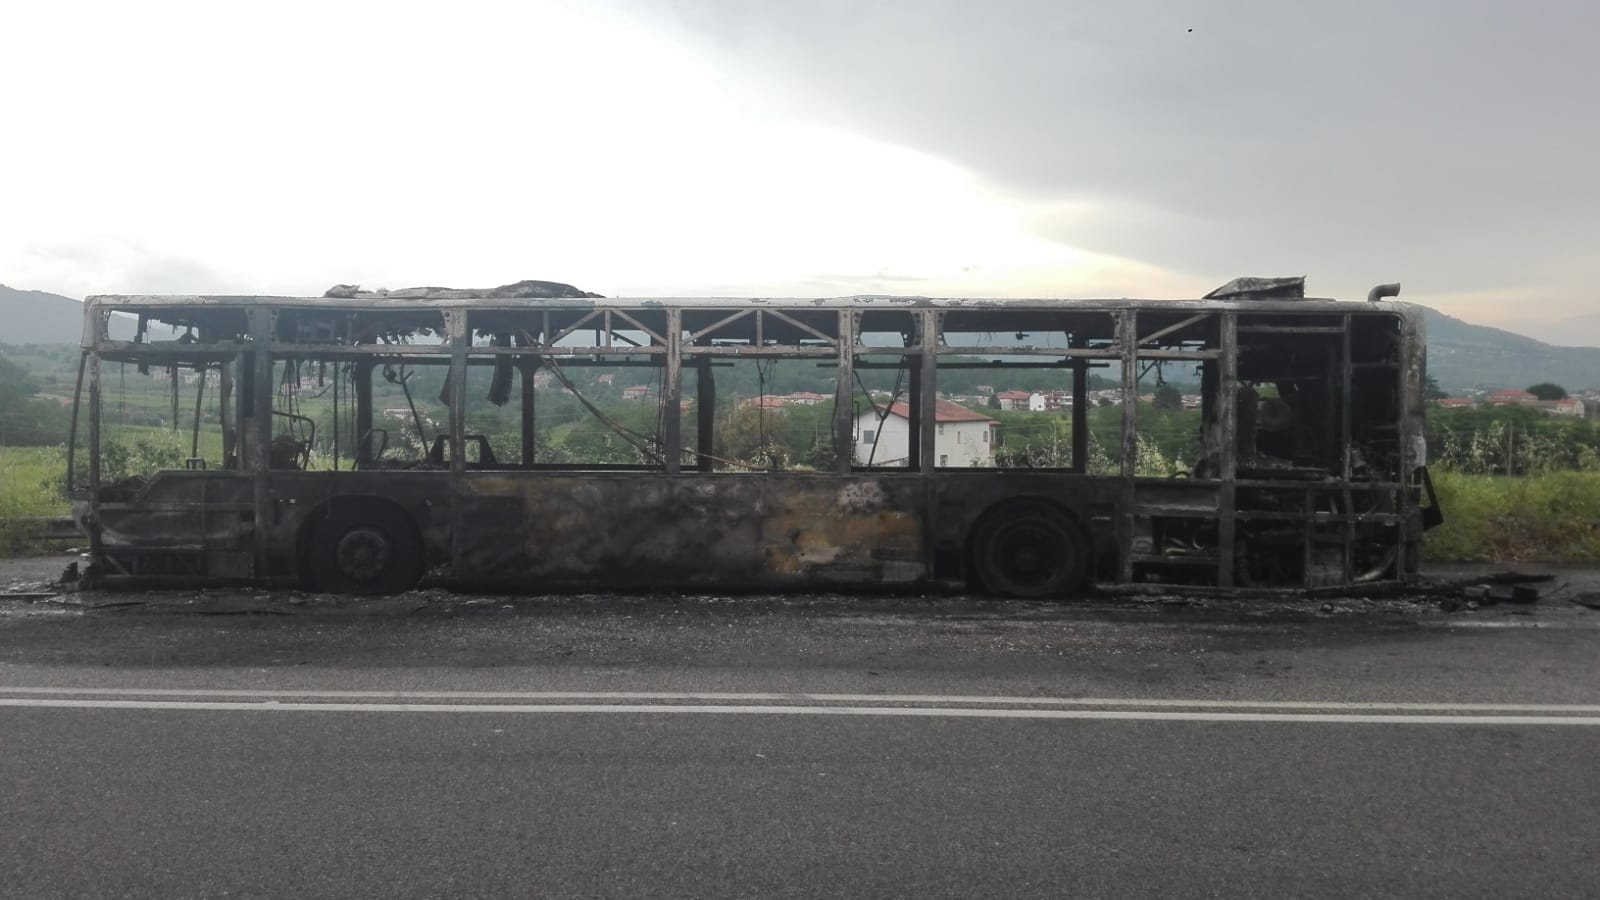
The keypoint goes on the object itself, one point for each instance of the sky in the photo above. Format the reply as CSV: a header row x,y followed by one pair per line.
x,y
1006,148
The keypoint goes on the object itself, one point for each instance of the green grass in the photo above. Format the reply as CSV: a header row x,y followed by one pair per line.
x,y
30,488
1552,518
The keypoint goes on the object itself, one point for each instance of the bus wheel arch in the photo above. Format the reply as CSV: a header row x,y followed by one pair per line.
x,y
1029,547
360,545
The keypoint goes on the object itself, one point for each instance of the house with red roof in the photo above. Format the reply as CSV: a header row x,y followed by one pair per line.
x,y
1570,406
1020,400
1510,397
962,438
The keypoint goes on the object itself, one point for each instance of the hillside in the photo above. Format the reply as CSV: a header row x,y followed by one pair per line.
x,y
36,317
1460,355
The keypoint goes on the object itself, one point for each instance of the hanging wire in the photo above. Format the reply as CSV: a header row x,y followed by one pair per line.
x,y
199,395
763,368
646,446
883,411
336,368
122,398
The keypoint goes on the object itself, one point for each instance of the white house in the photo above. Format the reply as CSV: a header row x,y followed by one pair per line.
x,y
962,438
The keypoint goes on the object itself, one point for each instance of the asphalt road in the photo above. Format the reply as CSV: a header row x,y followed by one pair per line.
x,y
252,745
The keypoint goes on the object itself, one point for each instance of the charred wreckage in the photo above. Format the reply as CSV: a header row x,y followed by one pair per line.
x,y
1309,471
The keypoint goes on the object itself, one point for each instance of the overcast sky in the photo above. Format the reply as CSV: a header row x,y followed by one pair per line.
x,y
647,147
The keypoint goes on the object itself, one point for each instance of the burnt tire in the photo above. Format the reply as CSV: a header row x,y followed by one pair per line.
x,y
1030,550
365,548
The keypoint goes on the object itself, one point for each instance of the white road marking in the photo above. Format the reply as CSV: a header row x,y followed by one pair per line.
x,y
965,712
613,697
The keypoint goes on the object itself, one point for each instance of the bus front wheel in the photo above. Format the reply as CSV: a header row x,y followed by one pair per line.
x,y
1030,550
364,548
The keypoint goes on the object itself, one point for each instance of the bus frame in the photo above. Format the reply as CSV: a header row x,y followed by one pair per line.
x,y
1344,510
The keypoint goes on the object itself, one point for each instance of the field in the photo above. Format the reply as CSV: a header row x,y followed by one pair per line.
x,y
30,487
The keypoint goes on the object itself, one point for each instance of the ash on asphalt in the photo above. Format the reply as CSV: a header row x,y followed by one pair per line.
x,y
33,585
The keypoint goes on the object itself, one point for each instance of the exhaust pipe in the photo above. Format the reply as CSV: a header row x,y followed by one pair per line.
x,y
1383,290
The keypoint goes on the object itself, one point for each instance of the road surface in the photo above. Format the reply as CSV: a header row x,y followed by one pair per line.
x,y
247,744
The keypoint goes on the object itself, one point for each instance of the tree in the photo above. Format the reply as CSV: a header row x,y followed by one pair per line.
x,y
755,435
1431,391
25,420
1544,390
1168,397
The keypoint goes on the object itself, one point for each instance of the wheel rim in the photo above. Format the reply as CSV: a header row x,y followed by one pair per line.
x,y
1030,553
363,554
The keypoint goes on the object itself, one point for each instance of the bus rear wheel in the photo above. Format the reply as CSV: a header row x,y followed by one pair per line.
x,y
364,548
1030,550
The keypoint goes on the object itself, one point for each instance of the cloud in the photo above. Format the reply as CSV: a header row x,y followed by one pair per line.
x,y
109,264
742,146
1444,142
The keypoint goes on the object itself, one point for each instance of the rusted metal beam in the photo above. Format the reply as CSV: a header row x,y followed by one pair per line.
x,y
96,544
361,378
1347,400
1227,405
706,332
844,419
1127,328
72,428
672,394
1080,416
705,414
928,405
820,335
1158,335
640,326
529,410
263,321
775,352
1290,329
552,341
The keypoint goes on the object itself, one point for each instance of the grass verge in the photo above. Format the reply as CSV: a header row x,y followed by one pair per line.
x,y
1552,518
30,488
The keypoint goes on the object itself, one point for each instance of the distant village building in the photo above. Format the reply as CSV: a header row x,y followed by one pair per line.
x,y
1510,398
1031,401
1456,403
962,438
1571,406
776,404
779,401
636,392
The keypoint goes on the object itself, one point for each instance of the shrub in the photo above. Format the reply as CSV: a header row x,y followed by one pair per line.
x,y
1553,517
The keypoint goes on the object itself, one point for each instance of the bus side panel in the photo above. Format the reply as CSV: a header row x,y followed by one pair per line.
x,y
192,523
648,530
421,496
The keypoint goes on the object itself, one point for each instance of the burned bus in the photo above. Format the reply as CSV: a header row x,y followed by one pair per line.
x,y
537,438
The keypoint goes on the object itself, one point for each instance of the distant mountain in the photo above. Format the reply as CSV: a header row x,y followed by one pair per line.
x,y
1462,356
35,317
